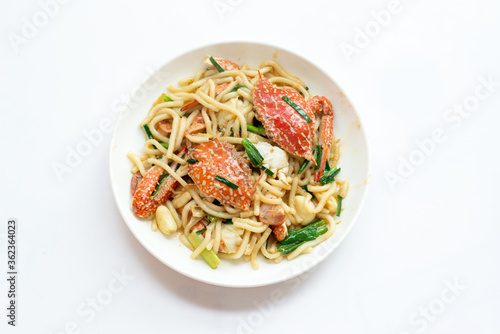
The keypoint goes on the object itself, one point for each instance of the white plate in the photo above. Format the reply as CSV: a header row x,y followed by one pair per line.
x,y
168,249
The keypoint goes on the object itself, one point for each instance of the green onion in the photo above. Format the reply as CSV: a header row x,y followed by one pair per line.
x,y
303,166
297,109
192,161
297,237
164,144
267,170
305,188
209,255
148,132
306,88
329,176
159,184
238,87
226,182
327,166
201,231
211,218
252,152
317,157
229,222
256,129
167,99
339,205
216,65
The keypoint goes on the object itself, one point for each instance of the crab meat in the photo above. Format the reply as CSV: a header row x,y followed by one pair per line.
x,y
275,159
230,239
219,158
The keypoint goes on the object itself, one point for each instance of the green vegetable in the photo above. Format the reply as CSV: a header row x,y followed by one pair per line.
x,y
327,166
305,188
303,166
216,65
158,186
167,99
306,88
297,237
267,170
317,157
212,219
229,222
192,161
148,132
258,130
329,176
201,231
226,182
164,144
209,255
238,87
253,152
309,232
339,205
297,109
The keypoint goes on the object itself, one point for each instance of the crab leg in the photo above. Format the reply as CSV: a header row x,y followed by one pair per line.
x,y
142,203
321,103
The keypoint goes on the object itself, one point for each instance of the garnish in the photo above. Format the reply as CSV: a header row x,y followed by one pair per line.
x,y
297,109
226,182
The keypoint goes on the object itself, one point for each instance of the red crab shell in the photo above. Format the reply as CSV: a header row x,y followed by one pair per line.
x,y
218,157
282,122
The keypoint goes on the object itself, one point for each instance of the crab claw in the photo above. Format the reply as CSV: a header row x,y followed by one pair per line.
x,y
282,122
219,158
322,104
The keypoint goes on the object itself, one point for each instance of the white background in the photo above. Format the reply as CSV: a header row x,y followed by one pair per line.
x,y
437,226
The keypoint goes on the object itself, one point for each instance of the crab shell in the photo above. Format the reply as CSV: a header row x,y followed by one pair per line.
x,y
218,157
282,122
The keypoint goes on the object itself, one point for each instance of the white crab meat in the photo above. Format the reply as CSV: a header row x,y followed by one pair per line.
x,y
230,239
275,159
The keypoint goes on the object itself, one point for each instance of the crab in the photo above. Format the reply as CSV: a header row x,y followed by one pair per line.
x,y
216,160
289,129
144,203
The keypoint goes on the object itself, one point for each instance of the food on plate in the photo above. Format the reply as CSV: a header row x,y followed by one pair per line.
x,y
240,161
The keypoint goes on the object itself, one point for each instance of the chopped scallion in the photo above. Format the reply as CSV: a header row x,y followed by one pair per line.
x,y
317,157
167,99
329,176
164,144
252,152
192,161
303,166
238,87
226,182
212,219
216,65
256,129
148,132
339,205
209,255
159,184
298,109
201,231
